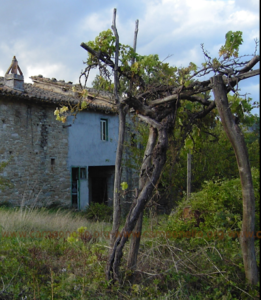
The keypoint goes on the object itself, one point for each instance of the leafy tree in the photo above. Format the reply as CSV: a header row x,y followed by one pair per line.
x,y
161,104
158,105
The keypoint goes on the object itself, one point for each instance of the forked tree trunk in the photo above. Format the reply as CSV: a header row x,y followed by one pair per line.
x,y
236,138
158,160
146,164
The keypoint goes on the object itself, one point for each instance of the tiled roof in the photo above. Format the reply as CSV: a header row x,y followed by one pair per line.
x,y
51,91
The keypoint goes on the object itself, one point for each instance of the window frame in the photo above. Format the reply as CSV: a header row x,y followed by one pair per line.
x,y
104,129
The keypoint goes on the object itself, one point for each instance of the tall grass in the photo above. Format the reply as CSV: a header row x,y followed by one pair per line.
x,y
27,220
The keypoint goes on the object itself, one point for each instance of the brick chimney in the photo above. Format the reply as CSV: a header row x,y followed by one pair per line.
x,y
13,80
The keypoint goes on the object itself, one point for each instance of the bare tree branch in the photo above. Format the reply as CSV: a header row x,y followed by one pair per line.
x,y
116,76
250,65
206,111
150,121
140,107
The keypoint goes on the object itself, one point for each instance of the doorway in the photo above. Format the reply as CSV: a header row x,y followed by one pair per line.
x,y
101,181
78,176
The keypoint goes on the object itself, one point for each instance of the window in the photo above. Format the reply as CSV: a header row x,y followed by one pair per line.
x,y
104,130
52,164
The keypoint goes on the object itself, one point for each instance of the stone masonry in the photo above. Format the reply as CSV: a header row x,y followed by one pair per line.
x,y
36,146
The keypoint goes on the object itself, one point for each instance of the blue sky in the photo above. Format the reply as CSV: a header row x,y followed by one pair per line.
x,y
46,35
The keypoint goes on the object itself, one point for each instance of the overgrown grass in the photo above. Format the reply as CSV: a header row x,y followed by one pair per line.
x,y
54,267
38,262
27,220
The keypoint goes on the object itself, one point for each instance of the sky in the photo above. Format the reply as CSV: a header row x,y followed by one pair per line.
x,y
45,36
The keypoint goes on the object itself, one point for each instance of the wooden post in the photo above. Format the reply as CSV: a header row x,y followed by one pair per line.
x,y
188,175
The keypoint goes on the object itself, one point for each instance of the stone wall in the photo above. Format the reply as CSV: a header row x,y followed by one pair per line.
x,y
37,147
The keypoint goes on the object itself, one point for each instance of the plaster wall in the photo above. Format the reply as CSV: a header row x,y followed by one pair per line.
x,y
85,144
86,149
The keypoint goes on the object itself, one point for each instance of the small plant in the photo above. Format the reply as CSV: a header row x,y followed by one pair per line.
x,y
75,236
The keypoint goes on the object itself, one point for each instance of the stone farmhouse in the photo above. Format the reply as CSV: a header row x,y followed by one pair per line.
x,y
49,161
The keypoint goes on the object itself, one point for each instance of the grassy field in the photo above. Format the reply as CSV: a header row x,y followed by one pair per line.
x,y
61,255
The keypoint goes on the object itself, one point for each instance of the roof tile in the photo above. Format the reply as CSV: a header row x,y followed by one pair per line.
x,y
51,91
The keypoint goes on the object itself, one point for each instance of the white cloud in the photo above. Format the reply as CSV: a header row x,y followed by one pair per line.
x,y
2,72
249,5
46,70
193,55
94,22
243,19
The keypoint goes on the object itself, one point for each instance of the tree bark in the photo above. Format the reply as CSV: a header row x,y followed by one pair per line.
x,y
117,178
236,138
158,161
135,239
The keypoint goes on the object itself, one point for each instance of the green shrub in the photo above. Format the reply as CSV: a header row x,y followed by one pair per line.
x,y
98,212
213,247
219,204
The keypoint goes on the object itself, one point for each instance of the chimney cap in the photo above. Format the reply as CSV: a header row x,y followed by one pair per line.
x,y
14,67
14,80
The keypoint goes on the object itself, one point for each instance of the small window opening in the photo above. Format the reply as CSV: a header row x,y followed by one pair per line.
x,y
104,130
75,187
52,163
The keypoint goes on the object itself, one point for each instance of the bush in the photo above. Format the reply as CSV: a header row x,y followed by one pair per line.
x,y
219,204
212,246
98,212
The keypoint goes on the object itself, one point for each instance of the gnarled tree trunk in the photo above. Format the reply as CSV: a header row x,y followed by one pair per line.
x,y
158,156
135,239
